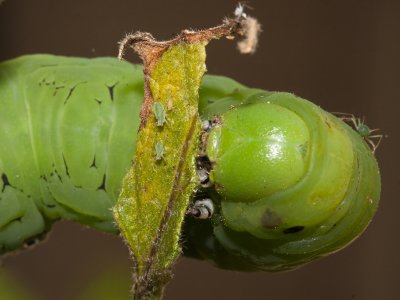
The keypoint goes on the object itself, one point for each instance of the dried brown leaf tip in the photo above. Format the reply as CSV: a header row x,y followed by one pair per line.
x,y
241,25
150,50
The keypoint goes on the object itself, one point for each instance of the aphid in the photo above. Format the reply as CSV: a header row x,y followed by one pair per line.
x,y
362,128
159,150
159,113
274,199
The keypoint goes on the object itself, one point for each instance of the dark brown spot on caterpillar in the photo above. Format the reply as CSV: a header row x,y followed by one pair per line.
x,y
65,165
58,175
111,90
103,184
6,182
71,90
293,229
93,165
270,219
4,178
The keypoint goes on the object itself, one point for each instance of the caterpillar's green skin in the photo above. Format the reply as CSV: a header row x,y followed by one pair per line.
x,y
291,182
324,197
68,131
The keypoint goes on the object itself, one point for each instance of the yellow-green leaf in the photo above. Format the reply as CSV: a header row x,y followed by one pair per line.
x,y
156,192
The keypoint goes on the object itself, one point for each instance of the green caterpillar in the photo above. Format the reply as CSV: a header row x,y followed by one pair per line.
x,y
283,181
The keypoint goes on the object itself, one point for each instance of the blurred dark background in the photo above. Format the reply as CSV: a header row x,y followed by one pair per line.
x,y
342,55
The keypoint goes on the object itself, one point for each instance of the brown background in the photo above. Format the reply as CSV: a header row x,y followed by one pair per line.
x,y
343,55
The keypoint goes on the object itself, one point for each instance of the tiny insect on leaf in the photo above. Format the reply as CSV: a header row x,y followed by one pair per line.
x,y
159,113
159,150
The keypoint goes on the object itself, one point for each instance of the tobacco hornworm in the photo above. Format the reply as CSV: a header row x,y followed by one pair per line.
x,y
283,181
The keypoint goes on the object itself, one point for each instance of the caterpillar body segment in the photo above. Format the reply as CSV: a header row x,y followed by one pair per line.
x,y
68,130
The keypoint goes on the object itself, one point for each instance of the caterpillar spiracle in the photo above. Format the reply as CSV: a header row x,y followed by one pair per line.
x,y
282,181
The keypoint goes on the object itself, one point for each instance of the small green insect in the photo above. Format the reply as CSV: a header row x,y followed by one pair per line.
x,y
362,128
159,150
281,182
159,113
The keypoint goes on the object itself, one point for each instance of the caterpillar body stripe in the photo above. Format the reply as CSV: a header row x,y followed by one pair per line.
x,y
289,182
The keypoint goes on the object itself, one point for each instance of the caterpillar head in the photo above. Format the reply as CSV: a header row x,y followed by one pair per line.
x,y
290,183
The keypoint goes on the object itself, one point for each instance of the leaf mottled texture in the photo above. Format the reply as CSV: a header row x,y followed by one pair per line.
x,y
156,192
